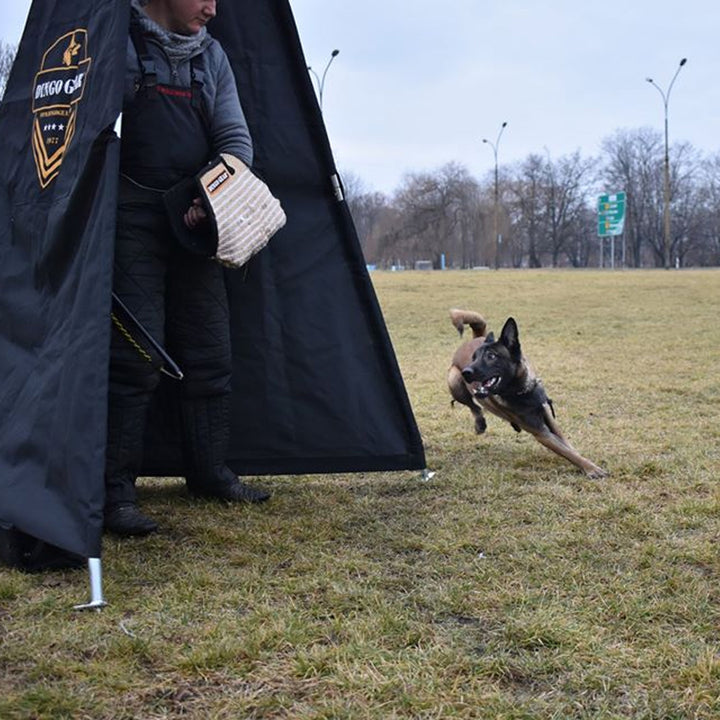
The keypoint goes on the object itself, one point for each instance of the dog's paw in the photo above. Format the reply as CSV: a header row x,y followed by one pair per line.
x,y
480,425
596,473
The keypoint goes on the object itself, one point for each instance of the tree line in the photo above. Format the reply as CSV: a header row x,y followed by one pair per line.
x,y
547,210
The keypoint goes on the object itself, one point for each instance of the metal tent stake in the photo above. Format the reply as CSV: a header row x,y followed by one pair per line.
x,y
96,594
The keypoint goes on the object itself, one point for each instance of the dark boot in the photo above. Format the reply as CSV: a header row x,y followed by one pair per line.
x,y
123,456
125,520
230,489
206,427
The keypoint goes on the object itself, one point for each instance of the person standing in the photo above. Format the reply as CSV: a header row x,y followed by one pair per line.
x,y
180,110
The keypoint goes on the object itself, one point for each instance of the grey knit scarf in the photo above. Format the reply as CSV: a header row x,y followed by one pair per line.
x,y
177,47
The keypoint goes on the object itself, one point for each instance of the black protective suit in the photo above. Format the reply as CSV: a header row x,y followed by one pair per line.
x,y
180,298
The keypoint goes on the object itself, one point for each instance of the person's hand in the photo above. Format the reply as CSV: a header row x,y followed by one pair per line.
x,y
195,215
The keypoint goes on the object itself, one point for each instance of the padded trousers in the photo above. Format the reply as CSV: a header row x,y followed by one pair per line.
x,y
181,299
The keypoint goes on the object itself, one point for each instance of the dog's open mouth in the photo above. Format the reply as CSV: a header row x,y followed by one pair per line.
x,y
483,389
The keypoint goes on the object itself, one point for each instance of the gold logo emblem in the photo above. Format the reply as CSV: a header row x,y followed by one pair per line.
x,y
57,90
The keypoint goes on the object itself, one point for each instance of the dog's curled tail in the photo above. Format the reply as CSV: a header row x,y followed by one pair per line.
x,y
461,318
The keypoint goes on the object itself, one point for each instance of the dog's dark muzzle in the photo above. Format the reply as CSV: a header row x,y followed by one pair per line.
x,y
478,386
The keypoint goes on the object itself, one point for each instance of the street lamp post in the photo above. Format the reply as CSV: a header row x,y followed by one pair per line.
x,y
321,81
494,146
666,169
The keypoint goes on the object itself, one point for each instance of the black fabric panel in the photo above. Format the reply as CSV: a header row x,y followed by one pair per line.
x,y
55,275
316,386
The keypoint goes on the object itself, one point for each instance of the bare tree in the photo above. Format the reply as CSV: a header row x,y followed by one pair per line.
x,y
526,211
369,210
7,56
438,213
580,248
686,203
633,163
707,249
565,194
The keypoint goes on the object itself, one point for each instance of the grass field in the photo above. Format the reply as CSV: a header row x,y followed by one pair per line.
x,y
508,586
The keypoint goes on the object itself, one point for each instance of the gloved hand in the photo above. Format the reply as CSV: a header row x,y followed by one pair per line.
x,y
195,214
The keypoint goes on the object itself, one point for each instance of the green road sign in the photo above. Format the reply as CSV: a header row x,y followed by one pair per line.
x,y
611,214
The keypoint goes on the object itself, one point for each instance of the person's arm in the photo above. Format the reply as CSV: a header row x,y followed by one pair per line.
x,y
230,131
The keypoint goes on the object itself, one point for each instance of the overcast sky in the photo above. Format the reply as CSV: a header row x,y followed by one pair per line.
x,y
419,83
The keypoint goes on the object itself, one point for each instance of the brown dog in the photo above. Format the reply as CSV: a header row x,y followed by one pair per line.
x,y
494,375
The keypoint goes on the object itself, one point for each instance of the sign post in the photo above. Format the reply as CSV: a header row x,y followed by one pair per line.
x,y
611,221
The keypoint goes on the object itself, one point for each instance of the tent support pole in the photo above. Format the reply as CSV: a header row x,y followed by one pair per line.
x,y
96,594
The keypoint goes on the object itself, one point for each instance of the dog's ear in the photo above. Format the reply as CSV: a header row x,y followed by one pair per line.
x,y
490,338
510,337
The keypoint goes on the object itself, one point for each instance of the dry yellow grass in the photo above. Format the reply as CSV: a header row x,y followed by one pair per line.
x,y
509,586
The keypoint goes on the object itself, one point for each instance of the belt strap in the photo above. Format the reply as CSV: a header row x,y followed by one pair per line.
x,y
145,60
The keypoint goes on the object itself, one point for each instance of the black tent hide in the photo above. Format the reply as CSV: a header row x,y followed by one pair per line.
x,y
57,220
316,387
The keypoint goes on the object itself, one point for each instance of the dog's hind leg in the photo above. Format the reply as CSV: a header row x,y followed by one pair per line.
x,y
562,447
